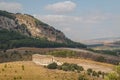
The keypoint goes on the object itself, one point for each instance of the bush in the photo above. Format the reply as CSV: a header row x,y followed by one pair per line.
x,y
99,72
5,66
3,69
65,68
59,67
23,67
101,59
82,77
52,66
80,68
89,70
114,75
94,73
72,67
111,76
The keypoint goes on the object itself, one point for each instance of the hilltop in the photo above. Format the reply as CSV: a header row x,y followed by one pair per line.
x,y
23,30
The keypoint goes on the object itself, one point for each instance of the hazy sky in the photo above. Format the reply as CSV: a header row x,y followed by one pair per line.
x,y
78,19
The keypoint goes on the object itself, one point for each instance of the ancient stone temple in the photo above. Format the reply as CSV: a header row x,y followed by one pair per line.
x,y
44,59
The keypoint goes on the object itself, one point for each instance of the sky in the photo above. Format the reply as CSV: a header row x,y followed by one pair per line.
x,y
78,19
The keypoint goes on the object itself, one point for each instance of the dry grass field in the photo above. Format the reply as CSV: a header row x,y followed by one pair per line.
x,y
97,66
29,71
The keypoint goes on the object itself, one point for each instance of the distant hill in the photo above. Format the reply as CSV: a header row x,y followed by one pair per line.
x,y
117,43
102,41
23,30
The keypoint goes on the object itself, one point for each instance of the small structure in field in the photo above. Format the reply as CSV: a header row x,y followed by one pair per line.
x,y
44,59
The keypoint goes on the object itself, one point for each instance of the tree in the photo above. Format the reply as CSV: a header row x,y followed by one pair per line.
x,y
52,66
114,75
82,77
118,71
111,76
89,71
94,73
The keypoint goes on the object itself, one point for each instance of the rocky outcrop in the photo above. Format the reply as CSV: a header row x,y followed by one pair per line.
x,y
7,23
40,29
30,26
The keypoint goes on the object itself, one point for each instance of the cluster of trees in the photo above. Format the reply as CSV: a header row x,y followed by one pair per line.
x,y
66,67
62,53
75,54
117,42
109,52
14,56
98,74
12,39
95,74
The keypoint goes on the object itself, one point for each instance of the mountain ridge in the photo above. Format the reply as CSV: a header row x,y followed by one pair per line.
x,y
29,26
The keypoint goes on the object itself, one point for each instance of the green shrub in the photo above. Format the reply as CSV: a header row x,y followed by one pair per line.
x,y
3,69
65,68
82,77
23,67
99,72
112,76
80,68
15,78
59,67
71,67
89,70
5,66
101,59
52,66
94,73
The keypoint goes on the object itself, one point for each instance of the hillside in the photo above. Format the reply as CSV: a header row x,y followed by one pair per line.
x,y
101,40
25,53
117,43
15,71
23,30
27,70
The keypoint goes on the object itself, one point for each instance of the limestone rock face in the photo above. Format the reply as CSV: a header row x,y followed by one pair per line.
x,y
30,26
7,23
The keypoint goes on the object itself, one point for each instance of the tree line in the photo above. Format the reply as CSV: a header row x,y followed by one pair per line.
x,y
13,39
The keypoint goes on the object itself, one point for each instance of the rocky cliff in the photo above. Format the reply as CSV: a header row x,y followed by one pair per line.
x,y
29,26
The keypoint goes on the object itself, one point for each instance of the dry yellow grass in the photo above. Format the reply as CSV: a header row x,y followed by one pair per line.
x,y
97,66
14,71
